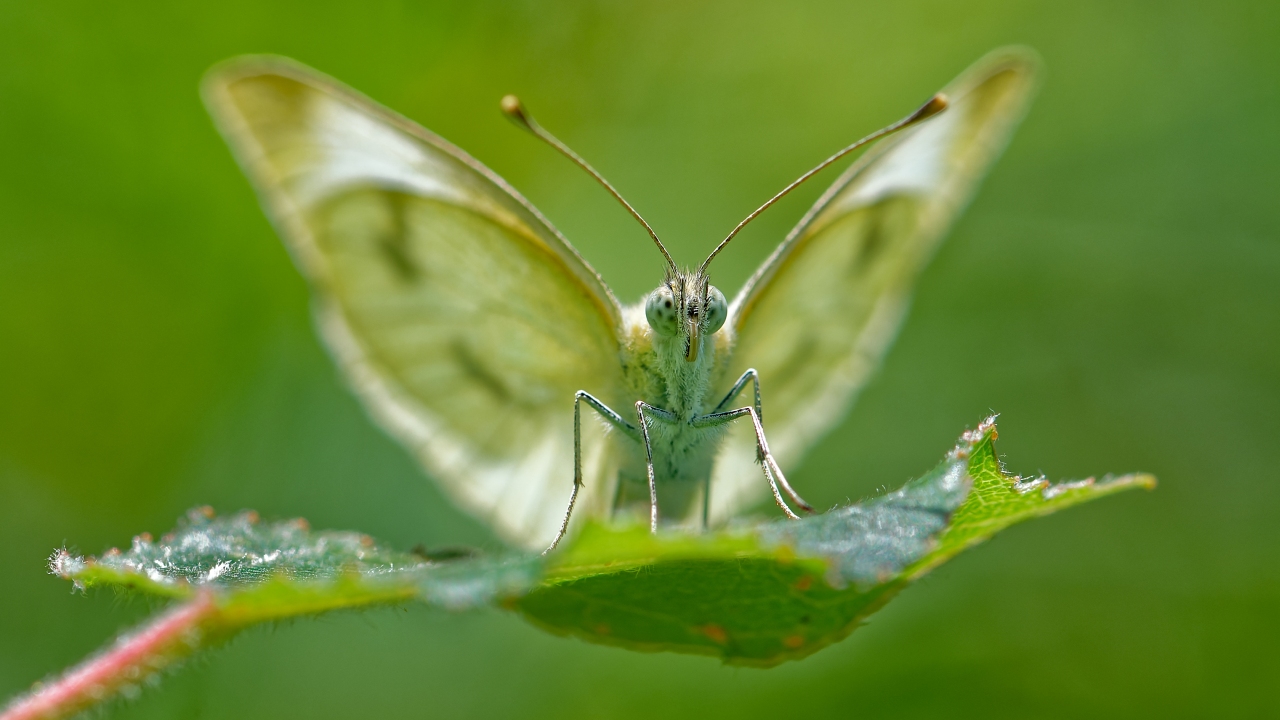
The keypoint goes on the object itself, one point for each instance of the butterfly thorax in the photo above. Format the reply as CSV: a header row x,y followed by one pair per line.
x,y
658,372
682,385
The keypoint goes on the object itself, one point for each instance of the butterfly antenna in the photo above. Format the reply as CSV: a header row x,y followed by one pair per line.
x,y
936,104
513,109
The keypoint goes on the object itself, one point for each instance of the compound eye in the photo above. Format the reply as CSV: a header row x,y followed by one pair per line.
x,y
661,312
717,310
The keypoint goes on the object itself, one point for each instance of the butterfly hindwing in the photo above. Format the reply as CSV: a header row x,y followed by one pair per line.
x,y
464,321
817,316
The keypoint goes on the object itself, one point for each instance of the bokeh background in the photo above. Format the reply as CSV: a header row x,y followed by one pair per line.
x,y
1114,292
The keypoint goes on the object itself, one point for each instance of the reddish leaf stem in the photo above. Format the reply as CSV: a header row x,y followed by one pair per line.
x,y
132,659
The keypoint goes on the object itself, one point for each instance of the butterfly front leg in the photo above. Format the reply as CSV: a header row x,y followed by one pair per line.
x,y
754,377
772,472
643,407
613,418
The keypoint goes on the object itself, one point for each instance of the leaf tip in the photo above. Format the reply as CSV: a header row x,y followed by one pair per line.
x,y
1145,481
971,439
65,565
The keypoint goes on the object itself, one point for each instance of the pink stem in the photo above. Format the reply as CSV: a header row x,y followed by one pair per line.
x,y
128,662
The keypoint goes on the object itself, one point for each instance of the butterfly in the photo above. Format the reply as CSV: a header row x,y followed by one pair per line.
x,y
477,335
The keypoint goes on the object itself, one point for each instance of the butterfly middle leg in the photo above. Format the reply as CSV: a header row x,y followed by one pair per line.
x,y
613,418
754,377
643,408
772,472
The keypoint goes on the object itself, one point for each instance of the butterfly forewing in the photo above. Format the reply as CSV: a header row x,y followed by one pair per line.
x,y
464,321
817,316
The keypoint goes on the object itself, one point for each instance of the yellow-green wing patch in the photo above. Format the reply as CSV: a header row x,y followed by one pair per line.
x,y
817,316
462,319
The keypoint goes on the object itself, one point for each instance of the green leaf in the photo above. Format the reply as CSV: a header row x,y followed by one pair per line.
x,y
260,571
784,589
234,572
755,594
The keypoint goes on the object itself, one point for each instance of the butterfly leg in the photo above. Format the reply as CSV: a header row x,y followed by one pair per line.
x,y
772,472
612,418
749,376
643,407
754,377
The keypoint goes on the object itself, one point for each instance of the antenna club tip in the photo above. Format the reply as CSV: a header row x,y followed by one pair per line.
x,y
936,104
514,109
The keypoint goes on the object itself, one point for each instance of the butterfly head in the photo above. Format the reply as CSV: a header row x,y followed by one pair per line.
x,y
688,307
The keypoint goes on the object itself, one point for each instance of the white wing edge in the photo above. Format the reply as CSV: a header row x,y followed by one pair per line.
x,y
280,210
972,76
735,460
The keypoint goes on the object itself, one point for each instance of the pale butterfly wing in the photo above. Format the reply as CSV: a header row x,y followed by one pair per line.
x,y
464,321
816,317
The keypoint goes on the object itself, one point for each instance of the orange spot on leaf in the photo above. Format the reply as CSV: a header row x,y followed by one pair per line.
x,y
715,632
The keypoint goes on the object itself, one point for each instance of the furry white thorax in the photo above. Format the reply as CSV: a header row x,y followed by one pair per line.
x,y
658,373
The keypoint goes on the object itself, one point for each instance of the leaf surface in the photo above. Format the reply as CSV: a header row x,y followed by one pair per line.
x,y
754,593
781,590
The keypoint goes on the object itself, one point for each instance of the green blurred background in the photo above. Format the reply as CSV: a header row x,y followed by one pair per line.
x,y
1114,292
